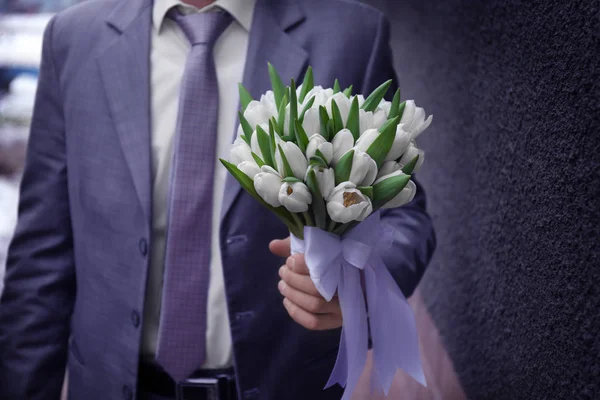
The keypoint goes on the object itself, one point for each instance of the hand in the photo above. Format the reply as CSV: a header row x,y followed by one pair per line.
x,y
301,299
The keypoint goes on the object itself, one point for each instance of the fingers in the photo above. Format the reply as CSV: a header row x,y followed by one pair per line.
x,y
297,264
315,322
312,304
280,247
299,282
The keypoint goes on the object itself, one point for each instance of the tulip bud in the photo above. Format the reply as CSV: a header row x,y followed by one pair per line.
x,y
249,168
257,113
295,158
311,122
414,119
254,141
366,120
342,143
346,204
318,142
267,184
400,143
295,197
411,152
343,104
366,139
387,168
405,196
325,179
240,151
364,169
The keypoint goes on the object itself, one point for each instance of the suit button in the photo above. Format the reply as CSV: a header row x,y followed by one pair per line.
x,y
135,318
143,247
127,394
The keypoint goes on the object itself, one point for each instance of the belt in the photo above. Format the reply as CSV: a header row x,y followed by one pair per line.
x,y
213,384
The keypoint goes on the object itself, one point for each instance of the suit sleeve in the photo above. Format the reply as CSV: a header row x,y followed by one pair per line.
x,y
39,292
414,241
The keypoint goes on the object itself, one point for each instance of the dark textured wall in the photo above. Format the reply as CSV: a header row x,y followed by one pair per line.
x,y
513,177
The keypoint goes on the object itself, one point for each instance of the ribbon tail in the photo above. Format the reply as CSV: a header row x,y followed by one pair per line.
x,y
393,328
355,330
339,374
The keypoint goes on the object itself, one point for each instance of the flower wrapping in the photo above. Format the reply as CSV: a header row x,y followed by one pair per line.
x,y
324,161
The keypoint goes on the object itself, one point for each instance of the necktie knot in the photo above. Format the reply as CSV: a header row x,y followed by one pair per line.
x,y
201,28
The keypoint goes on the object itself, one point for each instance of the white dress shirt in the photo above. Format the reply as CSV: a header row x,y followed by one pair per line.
x,y
168,57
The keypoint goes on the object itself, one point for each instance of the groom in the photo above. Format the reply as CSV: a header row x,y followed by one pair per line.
x,y
137,263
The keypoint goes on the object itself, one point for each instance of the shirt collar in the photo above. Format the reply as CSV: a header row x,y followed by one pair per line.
x,y
241,10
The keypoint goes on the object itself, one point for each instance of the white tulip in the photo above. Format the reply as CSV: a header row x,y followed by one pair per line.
x,y
346,204
267,184
240,151
411,152
366,139
318,142
414,119
311,122
295,197
257,113
366,120
342,142
379,118
364,169
254,141
249,168
405,196
325,179
321,96
387,168
361,99
268,100
400,144
295,158
343,104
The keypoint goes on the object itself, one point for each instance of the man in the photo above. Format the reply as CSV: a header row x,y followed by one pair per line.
x,y
108,271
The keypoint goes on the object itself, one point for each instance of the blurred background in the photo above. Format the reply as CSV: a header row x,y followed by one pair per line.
x,y
510,302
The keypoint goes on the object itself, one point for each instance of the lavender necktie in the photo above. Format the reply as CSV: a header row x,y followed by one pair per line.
x,y
182,333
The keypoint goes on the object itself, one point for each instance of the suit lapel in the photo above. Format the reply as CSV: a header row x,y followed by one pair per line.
x,y
269,42
125,67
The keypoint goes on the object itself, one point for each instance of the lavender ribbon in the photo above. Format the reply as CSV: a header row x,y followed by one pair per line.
x,y
335,264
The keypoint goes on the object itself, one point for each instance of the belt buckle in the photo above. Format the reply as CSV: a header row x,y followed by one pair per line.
x,y
199,389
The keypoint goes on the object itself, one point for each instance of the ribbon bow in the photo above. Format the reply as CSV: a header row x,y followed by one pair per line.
x,y
335,264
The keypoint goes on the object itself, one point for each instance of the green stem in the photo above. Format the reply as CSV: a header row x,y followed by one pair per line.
x,y
331,226
300,225
308,218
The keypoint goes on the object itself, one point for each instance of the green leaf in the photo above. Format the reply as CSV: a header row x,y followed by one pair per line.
x,y
264,143
387,189
388,123
336,87
408,168
367,191
276,84
319,154
348,91
374,98
291,179
281,115
353,123
248,184
318,161
288,138
245,96
287,170
301,136
395,107
401,109
248,130
318,204
379,149
330,129
324,119
307,83
338,123
258,160
273,121
272,145
344,167
293,108
307,106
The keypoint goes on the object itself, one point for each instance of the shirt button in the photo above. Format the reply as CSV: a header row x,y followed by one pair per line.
x,y
135,318
127,394
143,247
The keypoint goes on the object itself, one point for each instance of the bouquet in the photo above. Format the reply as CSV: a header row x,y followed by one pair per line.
x,y
324,161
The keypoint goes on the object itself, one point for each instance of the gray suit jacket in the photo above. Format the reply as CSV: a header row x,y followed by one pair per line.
x,y
76,274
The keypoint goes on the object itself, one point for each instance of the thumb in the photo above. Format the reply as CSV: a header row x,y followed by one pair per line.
x,y
280,247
